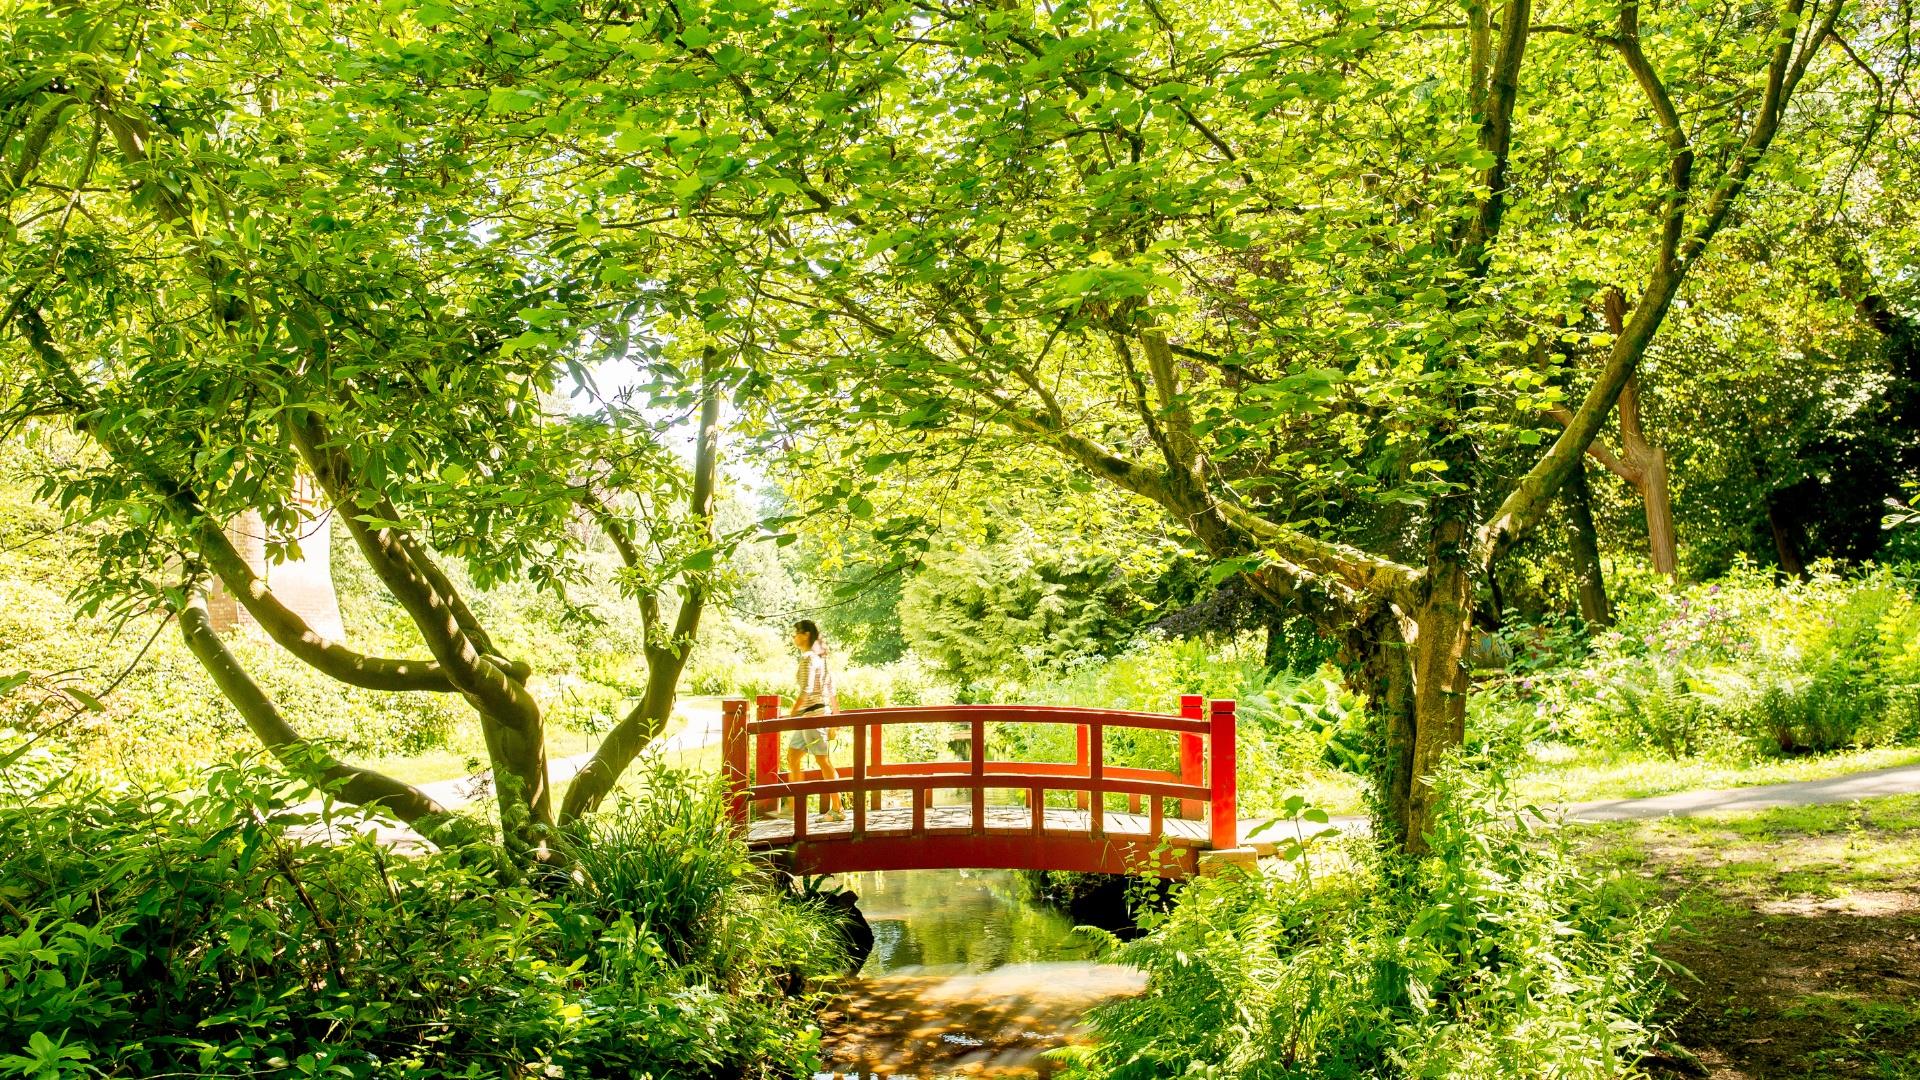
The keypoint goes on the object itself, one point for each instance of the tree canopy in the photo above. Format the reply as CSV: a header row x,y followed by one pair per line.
x,y
1345,290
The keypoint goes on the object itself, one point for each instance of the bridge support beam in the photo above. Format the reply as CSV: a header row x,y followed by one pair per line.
x,y
1238,860
1000,851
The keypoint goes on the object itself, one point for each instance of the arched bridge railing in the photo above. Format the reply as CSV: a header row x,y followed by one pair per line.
x,y
1185,812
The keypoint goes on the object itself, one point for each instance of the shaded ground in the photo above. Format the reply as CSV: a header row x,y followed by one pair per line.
x,y
1801,930
998,1023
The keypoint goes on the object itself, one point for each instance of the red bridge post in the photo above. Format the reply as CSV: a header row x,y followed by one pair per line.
x,y
876,758
857,798
733,743
977,765
1081,758
1223,818
766,748
1192,757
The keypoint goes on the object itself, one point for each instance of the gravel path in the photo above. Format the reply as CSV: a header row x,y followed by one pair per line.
x,y
1899,780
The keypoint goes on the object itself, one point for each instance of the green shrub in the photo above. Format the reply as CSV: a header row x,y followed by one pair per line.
x,y
738,658
1494,956
1740,665
910,680
199,936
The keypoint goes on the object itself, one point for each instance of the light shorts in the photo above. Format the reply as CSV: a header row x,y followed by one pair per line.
x,y
812,739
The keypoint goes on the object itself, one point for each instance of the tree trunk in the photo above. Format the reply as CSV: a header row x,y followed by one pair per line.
x,y
1275,656
1442,625
517,752
1661,542
1645,464
1413,675
1376,658
495,687
1786,539
1584,541
633,734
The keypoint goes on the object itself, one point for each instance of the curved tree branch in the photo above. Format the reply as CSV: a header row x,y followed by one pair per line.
x,y
281,623
1680,164
362,787
665,660
1599,451
292,633
469,668
1527,502
1308,557
1496,133
1784,72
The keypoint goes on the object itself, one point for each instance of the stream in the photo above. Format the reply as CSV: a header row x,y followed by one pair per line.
x,y
968,977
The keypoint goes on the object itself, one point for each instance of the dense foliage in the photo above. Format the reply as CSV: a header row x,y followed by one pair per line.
x,y
208,934
993,614
1047,321
1493,956
1741,664
164,717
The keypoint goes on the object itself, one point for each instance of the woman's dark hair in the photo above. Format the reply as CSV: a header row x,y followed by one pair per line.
x,y
809,628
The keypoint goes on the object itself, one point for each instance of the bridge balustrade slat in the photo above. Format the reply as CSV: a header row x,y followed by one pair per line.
x,y
961,781
991,714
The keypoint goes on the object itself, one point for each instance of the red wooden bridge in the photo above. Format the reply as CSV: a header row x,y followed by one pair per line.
x,y
892,822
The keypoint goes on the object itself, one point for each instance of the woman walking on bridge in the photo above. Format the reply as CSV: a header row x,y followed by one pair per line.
x,y
814,695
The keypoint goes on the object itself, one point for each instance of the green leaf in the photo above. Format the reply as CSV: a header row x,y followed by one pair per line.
x,y
875,464
512,99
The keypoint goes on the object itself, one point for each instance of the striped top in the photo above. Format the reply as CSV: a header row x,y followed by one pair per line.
x,y
814,680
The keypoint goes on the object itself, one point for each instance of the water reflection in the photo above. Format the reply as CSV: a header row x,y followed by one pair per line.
x,y
968,977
